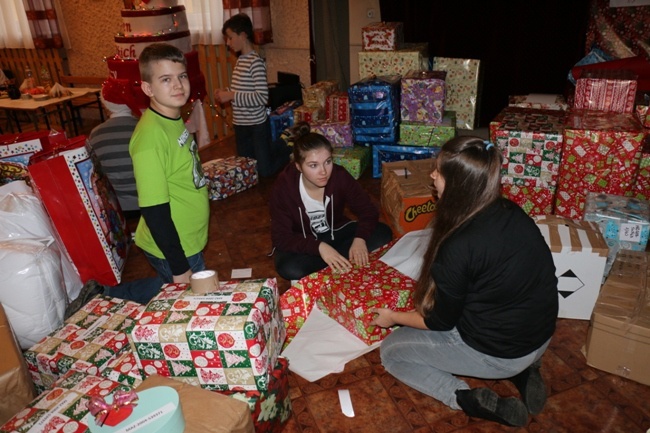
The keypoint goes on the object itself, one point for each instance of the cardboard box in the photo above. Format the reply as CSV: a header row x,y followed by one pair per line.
x,y
16,387
579,253
226,340
406,194
205,411
618,340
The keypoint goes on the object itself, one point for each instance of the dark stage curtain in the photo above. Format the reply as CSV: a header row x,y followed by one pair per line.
x,y
525,46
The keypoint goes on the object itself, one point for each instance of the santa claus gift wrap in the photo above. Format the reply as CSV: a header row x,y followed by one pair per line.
x,y
84,210
600,154
226,340
88,341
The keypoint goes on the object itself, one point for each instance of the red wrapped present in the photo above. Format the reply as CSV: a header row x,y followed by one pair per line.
x,y
308,114
84,210
64,408
229,176
338,133
641,186
337,107
643,114
270,409
606,90
382,36
88,341
534,200
600,154
229,339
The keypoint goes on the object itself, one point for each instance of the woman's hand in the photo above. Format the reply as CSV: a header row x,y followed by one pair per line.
x,y
334,260
359,252
222,96
383,318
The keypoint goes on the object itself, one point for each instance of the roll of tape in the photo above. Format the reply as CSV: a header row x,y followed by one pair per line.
x,y
204,282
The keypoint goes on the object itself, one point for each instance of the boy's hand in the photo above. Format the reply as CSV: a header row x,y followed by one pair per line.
x,y
183,278
223,95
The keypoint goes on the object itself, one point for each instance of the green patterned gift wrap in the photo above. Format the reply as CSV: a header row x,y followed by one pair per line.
x,y
225,340
353,159
418,134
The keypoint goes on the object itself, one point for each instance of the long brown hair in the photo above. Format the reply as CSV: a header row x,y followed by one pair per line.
x,y
471,169
305,141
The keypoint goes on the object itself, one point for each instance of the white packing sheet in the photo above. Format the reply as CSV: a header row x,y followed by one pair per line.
x,y
323,346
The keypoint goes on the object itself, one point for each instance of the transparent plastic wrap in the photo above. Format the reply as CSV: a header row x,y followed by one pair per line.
x,y
23,218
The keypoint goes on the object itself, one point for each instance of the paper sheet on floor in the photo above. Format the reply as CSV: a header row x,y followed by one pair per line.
x,y
335,345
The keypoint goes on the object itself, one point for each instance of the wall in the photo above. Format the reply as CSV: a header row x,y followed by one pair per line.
x,y
358,19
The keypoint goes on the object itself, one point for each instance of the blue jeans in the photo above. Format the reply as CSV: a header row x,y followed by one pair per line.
x,y
254,141
143,289
428,360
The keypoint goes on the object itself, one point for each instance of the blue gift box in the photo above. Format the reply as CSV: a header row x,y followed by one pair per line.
x,y
375,110
390,153
282,118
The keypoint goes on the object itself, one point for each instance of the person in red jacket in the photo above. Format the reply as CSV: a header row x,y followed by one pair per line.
x,y
309,228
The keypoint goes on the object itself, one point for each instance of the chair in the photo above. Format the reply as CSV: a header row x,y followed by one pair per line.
x,y
91,100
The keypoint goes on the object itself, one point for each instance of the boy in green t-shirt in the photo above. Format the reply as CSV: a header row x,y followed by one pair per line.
x,y
173,199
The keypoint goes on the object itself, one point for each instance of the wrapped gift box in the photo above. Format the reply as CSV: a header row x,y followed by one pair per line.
x,y
411,57
15,152
406,194
534,200
316,94
348,297
417,134
600,154
579,254
309,114
282,118
88,341
374,109
15,382
539,101
382,36
606,90
338,133
623,221
641,187
229,176
124,369
382,154
337,107
353,159
229,339
643,115
270,409
463,85
618,340
64,408
89,220
205,411
423,97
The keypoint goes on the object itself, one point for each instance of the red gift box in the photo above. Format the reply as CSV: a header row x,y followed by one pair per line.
x,y
383,36
337,107
534,200
606,90
600,154
308,114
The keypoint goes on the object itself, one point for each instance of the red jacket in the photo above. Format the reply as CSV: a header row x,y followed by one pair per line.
x,y
290,227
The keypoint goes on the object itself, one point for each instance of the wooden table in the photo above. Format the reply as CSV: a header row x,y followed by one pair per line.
x,y
34,108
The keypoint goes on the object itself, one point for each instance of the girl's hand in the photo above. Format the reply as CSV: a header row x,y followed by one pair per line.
x,y
383,318
334,260
359,252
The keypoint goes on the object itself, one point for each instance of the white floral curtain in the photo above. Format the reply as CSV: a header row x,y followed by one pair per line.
x,y
205,18
14,27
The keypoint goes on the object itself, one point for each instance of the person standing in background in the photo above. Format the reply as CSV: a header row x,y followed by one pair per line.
x,y
110,142
249,94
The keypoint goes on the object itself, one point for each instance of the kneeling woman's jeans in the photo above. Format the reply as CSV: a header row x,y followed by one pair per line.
x,y
428,360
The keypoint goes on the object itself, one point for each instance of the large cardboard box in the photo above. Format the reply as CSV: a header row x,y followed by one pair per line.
x,y
618,340
406,194
579,253
16,387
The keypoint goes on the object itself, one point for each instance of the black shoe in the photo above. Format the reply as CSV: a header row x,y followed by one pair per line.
x,y
531,387
91,289
485,403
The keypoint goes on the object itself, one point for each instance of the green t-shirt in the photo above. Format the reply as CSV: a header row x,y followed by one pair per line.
x,y
167,169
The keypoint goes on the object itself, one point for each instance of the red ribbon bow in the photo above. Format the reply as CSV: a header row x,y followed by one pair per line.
x,y
100,409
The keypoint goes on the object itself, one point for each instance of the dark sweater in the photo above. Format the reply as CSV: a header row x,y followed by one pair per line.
x,y
290,226
495,282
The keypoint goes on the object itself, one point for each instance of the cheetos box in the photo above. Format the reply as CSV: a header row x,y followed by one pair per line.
x,y
406,195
